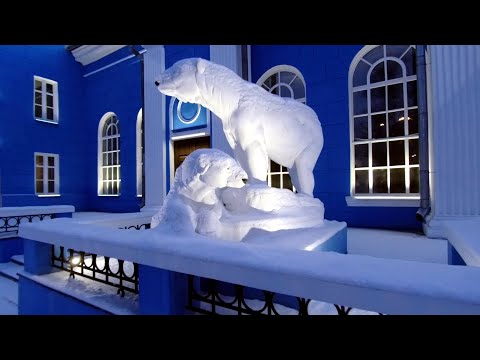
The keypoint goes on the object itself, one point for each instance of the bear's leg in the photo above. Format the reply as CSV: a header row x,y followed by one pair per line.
x,y
254,161
302,170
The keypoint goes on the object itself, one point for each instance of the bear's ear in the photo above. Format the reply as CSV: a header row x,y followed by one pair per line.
x,y
201,65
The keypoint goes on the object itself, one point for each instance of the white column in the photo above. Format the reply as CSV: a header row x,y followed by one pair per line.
x,y
454,134
229,56
154,117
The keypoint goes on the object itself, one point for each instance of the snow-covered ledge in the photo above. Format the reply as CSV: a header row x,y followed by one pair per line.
x,y
87,54
36,210
363,282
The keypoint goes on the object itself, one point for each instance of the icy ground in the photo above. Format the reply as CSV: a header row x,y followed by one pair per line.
x,y
378,243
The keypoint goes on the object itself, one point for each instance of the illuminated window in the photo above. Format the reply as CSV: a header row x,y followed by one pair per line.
x,y
45,94
384,121
285,81
109,155
46,174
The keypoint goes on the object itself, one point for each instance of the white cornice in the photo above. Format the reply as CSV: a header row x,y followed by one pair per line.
x,y
87,54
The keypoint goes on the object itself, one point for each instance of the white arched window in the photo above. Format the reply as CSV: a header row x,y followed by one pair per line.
x,y
109,155
139,152
285,81
384,122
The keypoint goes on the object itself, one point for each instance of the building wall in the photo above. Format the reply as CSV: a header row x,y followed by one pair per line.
x,y
325,69
115,89
21,135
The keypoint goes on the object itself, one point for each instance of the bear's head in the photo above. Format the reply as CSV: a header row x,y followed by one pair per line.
x,y
180,80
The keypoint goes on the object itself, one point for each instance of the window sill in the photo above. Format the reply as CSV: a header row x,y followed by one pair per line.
x,y
383,201
47,121
107,195
48,195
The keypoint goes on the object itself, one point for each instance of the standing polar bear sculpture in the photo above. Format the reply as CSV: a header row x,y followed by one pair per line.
x,y
258,125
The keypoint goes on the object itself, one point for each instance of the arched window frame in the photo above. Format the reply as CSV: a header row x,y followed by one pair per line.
x,y
407,198
109,178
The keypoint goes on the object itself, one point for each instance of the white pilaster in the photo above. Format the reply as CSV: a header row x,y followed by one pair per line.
x,y
229,56
454,134
154,117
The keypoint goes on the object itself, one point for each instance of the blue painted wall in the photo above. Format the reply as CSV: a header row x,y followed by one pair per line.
x,y
116,89
174,53
21,135
325,69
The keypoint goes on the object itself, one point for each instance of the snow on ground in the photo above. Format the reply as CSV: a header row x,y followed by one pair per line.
x,y
8,297
396,245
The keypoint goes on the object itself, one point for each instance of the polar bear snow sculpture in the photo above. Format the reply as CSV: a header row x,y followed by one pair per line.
x,y
258,125
194,201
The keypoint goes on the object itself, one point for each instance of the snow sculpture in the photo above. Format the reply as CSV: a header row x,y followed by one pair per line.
x,y
258,125
194,201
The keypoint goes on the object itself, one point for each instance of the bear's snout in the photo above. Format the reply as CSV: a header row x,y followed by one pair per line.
x,y
157,82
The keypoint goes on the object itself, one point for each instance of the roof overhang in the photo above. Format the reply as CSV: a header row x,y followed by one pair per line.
x,y
87,54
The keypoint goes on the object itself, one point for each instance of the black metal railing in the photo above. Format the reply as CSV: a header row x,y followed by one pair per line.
x,y
208,294
104,269
9,224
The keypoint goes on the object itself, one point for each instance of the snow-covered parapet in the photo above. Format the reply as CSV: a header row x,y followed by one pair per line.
x,y
258,125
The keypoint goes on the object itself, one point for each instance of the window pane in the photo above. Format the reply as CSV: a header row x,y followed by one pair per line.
x,y
110,159
51,186
360,128
412,93
287,182
361,155
374,54
276,181
380,181
109,145
38,98
39,160
104,145
49,88
51,174
361,181
396,124
396,50
287,77
377,99
274,167
414,180
109,130
39,173
379,154
360,74
104,188
114,173
397,152
115,187
104,162
378,126
271,81
104,173
50,100
395,96
378,73
110,173
410,62
38,111
413,121
360,102
413,151
38,85
51,161
39,187
298,88
49,113
397,181
394,70
109,188
284,92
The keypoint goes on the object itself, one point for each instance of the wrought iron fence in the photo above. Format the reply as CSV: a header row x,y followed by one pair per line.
x,y
9,224
209,295
115,272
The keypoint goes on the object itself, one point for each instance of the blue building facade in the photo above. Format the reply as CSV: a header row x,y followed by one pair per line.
x,y
96,137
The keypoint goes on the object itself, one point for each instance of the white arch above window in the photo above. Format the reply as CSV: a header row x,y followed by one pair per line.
x,y
285,81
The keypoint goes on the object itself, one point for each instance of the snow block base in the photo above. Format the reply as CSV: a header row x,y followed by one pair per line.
x,y
37,299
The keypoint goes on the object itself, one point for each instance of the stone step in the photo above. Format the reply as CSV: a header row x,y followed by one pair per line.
x,y
18,259
10,270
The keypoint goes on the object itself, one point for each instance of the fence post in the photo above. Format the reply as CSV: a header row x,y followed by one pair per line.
x,y
37,257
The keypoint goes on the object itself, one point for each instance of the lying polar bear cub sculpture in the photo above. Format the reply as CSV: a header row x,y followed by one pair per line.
x,y
258,125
